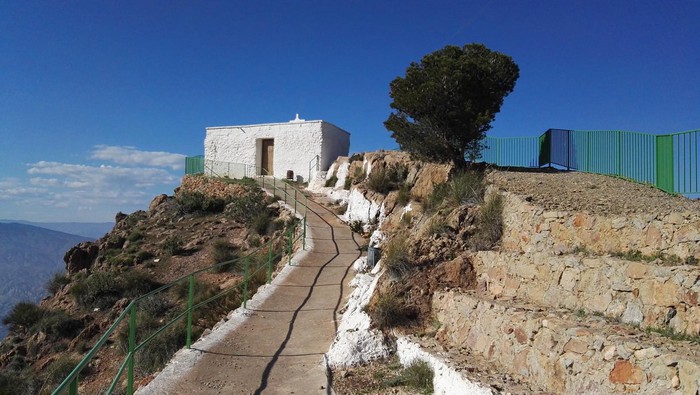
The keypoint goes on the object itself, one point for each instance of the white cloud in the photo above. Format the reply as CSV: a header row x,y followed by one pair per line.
x,y
57,191
125,155
44,182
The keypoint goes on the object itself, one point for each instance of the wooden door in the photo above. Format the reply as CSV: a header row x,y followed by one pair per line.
x,y
268,148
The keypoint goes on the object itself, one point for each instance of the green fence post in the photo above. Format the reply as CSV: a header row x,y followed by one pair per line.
x,y
245,283
664,163
132,347
303,240
269,263
289,246
73,388
190,303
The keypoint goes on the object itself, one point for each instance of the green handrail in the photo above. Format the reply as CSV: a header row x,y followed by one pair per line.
x,y
291,235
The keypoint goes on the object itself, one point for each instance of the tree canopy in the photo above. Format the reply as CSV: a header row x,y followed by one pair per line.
x,y
445,104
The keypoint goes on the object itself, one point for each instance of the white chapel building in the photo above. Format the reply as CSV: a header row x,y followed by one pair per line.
x,y
299,148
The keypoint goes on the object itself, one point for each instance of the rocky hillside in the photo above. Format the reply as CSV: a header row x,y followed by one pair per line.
x,y
528,282
205,222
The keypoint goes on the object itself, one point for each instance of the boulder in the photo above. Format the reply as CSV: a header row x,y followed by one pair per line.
x,y
80,257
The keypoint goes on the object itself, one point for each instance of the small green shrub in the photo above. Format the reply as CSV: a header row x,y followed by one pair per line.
x,y
197,202
135,283
418,375
156,353
404,195
103,289
172,245
121,260
223,252
348,183
60,369
357,156
358,175
57,282
671,333
97,290
436,225
388,311
357,226
143,255
254,240
155,305
244,208
18,383
136,235
332,181
433,201
342,209
387,179
58,324
395,256
378,181
466,188
23,315
489,223
666,259
261,222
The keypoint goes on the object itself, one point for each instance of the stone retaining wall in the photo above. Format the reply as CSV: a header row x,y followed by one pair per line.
x,y
633,292
565,354
529,228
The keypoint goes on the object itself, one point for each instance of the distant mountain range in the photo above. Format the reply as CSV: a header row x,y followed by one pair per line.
x,y
29,257
91,230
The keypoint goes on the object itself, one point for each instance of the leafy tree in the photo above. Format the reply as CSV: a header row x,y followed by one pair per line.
x,y
445,104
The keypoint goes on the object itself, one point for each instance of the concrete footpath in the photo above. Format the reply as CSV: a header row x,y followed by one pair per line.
x,y
277,345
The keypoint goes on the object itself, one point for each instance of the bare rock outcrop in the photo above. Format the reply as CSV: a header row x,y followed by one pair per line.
x,y
80,257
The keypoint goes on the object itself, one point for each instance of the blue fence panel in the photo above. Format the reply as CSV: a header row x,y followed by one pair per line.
x,y
512,151
685,164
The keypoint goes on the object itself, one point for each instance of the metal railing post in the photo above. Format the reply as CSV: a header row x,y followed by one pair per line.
x,y
245,283
73,388
190,303
132,347
303,240
289,246
295,200
269,263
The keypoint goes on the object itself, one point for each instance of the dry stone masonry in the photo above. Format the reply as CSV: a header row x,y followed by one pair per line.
x,y
562,353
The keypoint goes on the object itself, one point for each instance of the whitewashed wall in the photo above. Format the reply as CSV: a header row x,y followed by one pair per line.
x,y
296,145
336,142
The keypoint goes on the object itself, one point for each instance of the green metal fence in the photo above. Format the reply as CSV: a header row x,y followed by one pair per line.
x,y
669,162
194,164
253,267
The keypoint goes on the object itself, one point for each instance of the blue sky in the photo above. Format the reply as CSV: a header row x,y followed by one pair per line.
x,y
100,100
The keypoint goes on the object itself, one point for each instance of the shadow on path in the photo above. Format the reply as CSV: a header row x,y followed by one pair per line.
x,y
290,329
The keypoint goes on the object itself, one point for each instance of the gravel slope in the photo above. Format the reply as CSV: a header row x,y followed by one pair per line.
x,y
593,193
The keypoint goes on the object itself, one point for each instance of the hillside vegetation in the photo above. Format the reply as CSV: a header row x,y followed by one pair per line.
x,y
205,222
529,281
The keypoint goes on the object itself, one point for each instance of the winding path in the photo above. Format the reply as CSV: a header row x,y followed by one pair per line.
x,y
279,348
